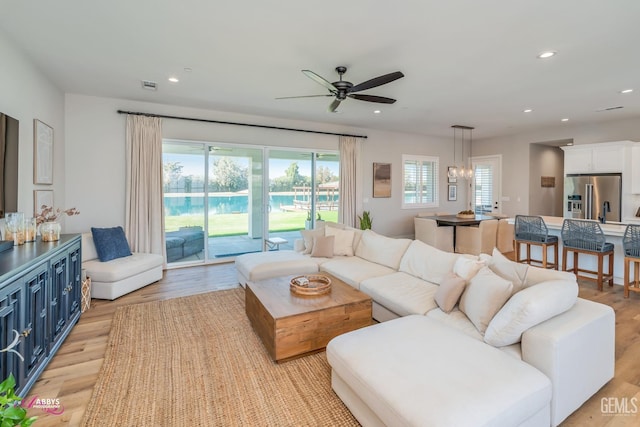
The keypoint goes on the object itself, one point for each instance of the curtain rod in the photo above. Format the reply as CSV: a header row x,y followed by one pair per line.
x,y
135,113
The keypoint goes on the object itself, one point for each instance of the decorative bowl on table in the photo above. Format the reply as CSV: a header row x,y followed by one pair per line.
x,y
466,214
310,284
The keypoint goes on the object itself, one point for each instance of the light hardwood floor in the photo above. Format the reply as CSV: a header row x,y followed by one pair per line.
x,y
73,371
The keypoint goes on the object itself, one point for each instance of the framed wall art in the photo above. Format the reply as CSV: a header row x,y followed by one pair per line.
x,y
382,180
42,153
41,197
452,193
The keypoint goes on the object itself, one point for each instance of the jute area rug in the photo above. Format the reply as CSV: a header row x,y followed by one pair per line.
x,y
196,361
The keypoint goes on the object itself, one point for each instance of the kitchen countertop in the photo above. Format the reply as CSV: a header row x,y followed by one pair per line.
x,y
609,228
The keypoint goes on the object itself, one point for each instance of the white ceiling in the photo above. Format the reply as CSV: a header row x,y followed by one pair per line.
x,y
465,62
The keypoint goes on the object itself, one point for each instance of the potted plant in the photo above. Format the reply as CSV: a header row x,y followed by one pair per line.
x,y
318,218
308,224
11,413
365,220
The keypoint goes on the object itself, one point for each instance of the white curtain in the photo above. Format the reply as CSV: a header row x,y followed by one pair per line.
x,y
350,188
144,203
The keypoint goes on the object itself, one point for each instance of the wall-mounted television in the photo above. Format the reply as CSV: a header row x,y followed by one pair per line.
x,y
8,164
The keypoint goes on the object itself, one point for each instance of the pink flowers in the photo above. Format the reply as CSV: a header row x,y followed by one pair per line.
x,y
49,214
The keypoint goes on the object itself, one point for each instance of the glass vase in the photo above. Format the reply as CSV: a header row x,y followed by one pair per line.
x,y
30,230
50,231
14,228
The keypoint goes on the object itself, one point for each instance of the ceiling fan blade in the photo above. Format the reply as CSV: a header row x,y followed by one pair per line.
x,y
303,96
320,80
334,105
372,98
378,81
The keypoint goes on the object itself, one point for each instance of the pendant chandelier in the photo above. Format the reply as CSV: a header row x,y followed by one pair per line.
x,y
462,171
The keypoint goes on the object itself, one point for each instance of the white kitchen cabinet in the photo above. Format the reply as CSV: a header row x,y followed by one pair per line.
x,y
635,169
594,158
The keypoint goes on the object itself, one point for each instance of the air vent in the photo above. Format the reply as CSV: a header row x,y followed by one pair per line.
x,y
599,110
149,85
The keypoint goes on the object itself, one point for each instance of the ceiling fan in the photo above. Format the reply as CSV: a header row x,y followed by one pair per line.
x,y
343,89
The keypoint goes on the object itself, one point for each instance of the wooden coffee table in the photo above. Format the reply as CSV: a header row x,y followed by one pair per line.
x,y
291,326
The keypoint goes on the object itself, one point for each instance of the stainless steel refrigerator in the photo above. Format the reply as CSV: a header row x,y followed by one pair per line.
x,y
593,196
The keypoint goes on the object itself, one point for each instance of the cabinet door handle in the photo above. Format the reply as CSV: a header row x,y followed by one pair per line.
x,y
26,332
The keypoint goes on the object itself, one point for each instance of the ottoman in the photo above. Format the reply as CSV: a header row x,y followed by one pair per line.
x,y
415,371
266,265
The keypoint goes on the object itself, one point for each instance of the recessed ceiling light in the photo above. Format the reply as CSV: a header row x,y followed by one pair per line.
x,y
569,143
564,120
528,110
547,54
173,79
626,91
377,111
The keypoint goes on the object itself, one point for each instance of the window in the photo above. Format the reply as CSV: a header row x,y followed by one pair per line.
x,y
419,181
483,189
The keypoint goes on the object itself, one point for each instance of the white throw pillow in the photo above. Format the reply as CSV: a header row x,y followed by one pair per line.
x,y
467,266
343,244
449,292
308,236
528,308
514,272
323,247
483,297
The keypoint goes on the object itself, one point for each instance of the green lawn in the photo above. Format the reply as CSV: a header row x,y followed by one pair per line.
x,y
237,224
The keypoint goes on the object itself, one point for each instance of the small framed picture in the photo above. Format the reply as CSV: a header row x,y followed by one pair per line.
x,y
452,193
40,198
382,180
42,153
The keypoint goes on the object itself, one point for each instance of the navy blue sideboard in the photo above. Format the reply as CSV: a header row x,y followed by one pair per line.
x,y
40,297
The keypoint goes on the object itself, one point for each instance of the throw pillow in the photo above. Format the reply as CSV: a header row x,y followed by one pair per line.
x,y
467,266
449,292
343,242
483,297
512,271
308,236
323,247
528,308
111,243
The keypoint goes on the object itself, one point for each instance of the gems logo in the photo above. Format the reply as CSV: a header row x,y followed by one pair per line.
x,y
619,405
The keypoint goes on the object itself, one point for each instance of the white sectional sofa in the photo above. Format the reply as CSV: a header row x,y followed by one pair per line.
x,y
520,348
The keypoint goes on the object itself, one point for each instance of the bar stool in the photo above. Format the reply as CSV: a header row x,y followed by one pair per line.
x,y
586,237
532,230
631,246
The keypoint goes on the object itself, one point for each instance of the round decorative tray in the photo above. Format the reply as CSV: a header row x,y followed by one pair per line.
x,y
310,284
466,216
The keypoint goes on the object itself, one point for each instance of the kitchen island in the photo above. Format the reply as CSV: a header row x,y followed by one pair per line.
x,y
613,233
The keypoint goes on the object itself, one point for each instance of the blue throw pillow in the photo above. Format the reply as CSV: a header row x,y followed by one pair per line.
x,y
111,243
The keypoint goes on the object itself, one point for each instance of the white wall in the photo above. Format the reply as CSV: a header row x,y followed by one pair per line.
x,y
546,161
95,178
26,94
516,157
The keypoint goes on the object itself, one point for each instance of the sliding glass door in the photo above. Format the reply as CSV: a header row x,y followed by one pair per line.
x,y
235,217
184,201
224,200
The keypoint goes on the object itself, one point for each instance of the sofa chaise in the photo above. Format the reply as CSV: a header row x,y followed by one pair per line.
x,y
517,348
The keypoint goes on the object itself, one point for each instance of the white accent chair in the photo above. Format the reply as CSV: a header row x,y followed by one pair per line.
x,y
476,240
504,240
112,279
428,231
